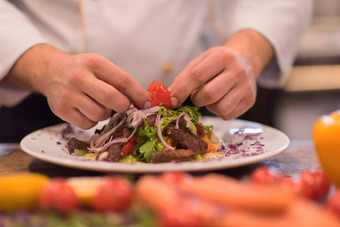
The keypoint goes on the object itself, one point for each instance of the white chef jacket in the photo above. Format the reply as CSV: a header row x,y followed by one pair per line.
x,y
142,36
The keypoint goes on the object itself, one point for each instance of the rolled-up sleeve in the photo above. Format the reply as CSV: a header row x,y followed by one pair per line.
x,y
17,35
281,22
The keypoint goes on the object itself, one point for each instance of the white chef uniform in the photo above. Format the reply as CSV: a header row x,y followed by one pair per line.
x,y
144,36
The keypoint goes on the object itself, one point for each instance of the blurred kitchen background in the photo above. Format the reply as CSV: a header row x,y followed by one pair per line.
x,y
313,88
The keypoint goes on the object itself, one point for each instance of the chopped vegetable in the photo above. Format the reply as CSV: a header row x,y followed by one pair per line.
x,y
326,138
20,191
59,195
141,138
160,95
140,133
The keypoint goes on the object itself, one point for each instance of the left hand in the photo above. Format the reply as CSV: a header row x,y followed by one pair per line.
x,y
218,79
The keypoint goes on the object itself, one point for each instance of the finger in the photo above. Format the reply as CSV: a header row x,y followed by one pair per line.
x,y
233,104
193,78
214,90
225,107
106,95
240,109
67,111
91,109
75,117
122,81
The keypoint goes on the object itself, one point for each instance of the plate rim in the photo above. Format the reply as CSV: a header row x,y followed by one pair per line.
x,y
156,167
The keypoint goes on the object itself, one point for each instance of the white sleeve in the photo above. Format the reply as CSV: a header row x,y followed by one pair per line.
x,y
17,35
282,22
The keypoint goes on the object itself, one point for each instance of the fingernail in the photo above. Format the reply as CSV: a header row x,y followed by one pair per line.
x,y
174,102
170,89
147,104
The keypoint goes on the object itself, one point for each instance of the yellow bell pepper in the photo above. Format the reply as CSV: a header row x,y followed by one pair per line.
x,y
326,138
20,191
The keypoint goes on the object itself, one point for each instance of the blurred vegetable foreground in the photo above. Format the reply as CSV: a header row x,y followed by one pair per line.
x,y
170,199
326,138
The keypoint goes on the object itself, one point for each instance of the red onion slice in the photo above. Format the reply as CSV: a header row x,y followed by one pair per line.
x,y
159,122
104,137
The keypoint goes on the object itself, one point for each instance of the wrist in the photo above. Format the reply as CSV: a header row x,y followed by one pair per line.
x,y
252,48
31,69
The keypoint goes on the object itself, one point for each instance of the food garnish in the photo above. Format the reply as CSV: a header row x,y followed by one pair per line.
x,y
168,199
156,134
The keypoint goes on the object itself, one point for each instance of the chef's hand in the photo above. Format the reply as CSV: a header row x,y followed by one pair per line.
x,y
81,89
219,81
224,78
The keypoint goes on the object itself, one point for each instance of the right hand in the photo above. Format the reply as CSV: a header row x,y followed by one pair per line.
x,y
82,89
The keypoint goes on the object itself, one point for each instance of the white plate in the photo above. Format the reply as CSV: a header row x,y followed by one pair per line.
x,y
48,145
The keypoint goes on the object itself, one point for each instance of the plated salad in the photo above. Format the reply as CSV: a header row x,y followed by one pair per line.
x,y
154,135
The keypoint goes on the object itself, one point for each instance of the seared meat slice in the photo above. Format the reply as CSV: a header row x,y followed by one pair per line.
x,y
187,140
114,154
151,119
122,132
75,144
114,151
179,155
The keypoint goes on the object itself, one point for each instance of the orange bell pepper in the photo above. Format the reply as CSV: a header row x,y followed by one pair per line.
x,y
326,138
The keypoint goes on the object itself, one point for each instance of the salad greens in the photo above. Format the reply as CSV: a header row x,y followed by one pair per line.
x,y
147,134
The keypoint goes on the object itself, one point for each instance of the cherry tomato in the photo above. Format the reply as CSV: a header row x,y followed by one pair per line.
x,y
128,147
200,130
318,183
153,86
181,213
295,185
57,194
265,175
160,95
174,177
333,203
115,194
309,184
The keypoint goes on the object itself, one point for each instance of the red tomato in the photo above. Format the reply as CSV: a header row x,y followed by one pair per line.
x,y
60,196
309,184
200,130
317,182
115,194
295,185
128,147
160,95
333,203
174,177
153,86
182,213
265,175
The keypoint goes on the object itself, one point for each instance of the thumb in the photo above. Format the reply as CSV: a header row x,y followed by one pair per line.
x,y
179,92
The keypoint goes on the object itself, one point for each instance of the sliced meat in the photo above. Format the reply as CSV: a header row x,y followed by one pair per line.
x,y
114,154
75,144
180,155
187,140
114,151
151,119
122,132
